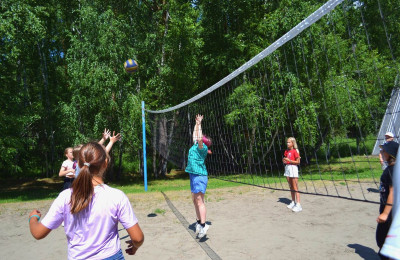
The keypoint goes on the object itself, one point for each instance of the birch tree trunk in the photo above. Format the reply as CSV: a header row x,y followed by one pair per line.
x,y
47,122
168,143
154,143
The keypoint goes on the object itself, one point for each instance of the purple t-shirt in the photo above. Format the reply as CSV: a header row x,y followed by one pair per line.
x,y
93,232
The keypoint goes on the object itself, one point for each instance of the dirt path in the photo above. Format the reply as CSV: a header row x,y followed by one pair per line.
x,y
246,223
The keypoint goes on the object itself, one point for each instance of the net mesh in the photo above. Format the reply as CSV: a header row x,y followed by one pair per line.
x,y
332,87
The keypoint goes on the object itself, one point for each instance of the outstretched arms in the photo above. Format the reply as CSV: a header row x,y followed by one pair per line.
x,y
113,139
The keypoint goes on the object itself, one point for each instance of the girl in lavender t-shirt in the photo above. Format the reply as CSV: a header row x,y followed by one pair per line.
x,y
91,211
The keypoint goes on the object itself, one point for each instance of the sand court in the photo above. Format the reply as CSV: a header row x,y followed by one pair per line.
x,y
245,223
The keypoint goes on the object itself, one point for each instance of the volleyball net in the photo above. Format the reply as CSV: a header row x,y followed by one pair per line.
x,y
331,82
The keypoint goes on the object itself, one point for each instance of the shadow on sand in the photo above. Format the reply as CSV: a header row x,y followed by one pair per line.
x,y
364,252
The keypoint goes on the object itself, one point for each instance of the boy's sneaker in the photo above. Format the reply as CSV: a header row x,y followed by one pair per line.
x,y
291,205
297,208
203,231
198,227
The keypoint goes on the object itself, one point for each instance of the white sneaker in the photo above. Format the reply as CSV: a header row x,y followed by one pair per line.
x,y
62,224
297,208
198,227
203,231
291,205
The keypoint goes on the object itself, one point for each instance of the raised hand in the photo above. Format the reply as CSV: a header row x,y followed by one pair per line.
x,y
106,134
114,138
199,118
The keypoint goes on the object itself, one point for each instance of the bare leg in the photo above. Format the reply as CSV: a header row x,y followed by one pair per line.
x,y
200,206
196,206
296,190
292,193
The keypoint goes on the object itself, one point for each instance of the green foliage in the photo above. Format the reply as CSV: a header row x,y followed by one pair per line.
x,y
244,104
62,78
131,124
167,42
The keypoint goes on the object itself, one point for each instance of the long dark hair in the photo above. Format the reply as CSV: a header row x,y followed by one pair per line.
x,y
92,161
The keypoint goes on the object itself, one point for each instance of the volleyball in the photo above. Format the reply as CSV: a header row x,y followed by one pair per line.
x,y
130,65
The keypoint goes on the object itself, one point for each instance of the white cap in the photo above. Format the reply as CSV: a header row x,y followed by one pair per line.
x,y
389,134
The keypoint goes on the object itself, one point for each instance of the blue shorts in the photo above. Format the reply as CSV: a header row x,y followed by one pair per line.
x,y
198,183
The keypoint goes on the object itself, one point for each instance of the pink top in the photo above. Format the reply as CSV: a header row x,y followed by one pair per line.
x,y
93,232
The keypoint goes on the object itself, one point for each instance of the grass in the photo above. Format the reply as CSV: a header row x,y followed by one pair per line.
x,y
29,190
49,188
350,168
160,211
357,168
174,181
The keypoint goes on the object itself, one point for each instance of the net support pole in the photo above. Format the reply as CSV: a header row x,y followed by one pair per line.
x,y
144,148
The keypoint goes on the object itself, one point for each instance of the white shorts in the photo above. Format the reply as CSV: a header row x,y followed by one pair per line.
x,y
291,171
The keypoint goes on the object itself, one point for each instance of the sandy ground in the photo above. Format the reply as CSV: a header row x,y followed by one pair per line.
x,y
245,223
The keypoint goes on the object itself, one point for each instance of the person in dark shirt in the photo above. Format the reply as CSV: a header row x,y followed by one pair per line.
x,y
389,153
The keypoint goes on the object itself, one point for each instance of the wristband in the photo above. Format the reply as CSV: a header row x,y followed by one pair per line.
x,y
38,218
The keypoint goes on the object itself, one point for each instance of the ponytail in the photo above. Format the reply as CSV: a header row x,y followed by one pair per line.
x,y
82,191
92,161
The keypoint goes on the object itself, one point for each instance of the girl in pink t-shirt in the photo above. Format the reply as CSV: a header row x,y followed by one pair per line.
x,y
291,159
91,211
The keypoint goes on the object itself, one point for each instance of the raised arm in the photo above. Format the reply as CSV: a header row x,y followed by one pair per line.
x,y
113,139
106,134
197,132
